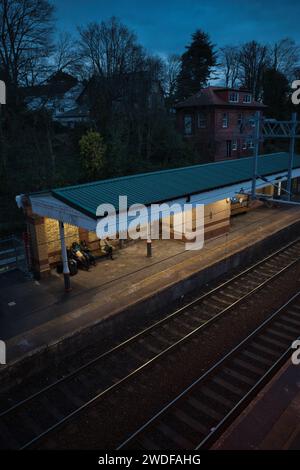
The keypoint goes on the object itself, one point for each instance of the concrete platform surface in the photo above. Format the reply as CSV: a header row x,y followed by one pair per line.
x,y
36,314
272,420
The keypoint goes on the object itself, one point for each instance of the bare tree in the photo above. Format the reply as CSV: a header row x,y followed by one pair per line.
x,y
230,63
66,57
35,70
285,56
110,48
253,61
172,69
25,36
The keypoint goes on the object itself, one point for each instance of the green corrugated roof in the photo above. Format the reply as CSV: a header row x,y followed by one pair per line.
x,y
159,186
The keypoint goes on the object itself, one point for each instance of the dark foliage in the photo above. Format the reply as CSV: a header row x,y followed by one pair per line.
x,y
196,65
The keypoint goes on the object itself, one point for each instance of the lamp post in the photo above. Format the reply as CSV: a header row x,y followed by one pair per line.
x,y
256,153
291,154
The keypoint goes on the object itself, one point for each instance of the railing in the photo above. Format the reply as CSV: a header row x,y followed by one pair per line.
x,y
12,254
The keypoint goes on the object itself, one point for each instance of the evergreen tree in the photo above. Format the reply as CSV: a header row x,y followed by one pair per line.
x,y
276,94
196,65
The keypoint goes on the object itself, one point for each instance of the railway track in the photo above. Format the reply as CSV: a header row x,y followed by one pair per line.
x,y
197,417
29,420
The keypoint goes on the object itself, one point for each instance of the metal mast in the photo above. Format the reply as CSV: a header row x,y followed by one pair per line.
x,y
273,129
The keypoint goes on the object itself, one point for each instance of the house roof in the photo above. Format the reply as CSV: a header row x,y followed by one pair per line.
x,y
211,96
57,85
78,112
168,185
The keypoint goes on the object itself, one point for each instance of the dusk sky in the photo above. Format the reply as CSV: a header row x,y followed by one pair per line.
x,y
165,27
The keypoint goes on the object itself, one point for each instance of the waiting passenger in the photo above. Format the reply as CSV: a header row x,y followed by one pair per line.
x,y
108,249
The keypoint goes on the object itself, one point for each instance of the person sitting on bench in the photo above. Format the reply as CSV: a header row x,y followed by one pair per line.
x,y
108,249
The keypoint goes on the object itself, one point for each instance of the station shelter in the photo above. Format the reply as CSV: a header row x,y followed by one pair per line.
x,y
58,217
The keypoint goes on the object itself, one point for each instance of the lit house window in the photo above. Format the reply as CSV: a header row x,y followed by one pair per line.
x,y
201,121
188,124
225,120
247,99
234,145
233,97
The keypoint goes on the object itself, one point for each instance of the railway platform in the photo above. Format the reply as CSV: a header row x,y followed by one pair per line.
x,y
37,316
272,420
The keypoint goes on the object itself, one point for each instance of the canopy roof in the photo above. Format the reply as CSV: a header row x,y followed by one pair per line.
x,y
168,185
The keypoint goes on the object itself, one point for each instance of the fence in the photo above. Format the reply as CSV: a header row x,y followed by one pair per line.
x,y
12,255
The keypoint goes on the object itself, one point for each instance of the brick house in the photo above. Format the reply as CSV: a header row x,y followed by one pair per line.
x,y
218,121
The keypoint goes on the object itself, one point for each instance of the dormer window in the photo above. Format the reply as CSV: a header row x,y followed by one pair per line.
x,y
247,99
233,97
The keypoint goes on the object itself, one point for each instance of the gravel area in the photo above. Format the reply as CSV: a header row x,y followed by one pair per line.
x,y
109,421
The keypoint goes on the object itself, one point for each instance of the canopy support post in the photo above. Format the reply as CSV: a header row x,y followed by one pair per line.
x,y
149,241
64,255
